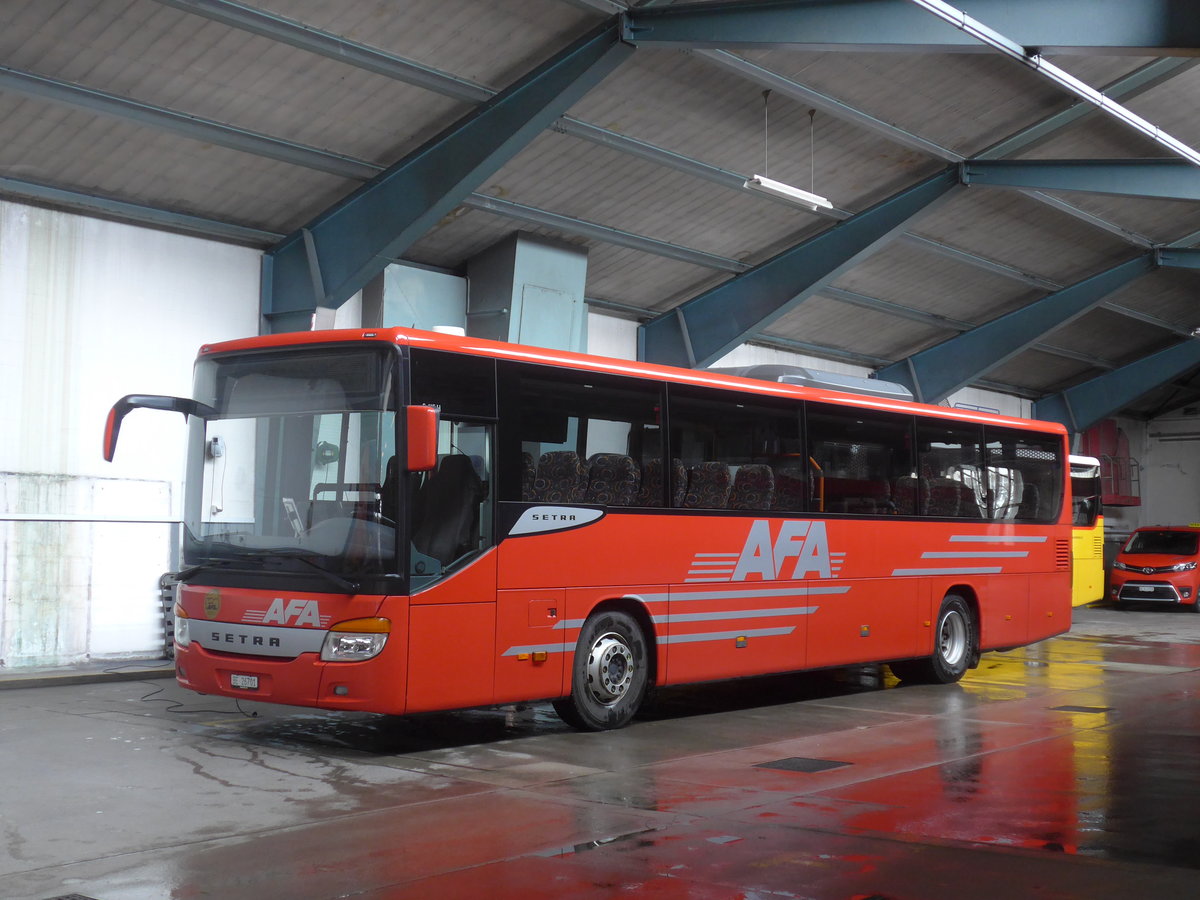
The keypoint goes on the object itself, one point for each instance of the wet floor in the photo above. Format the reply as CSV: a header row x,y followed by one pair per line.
x,y
1068,769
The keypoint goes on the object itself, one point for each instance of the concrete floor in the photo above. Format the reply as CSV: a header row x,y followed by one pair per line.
x,y
1068,769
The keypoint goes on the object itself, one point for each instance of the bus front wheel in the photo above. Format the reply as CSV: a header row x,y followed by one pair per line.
x,y
609,674
954,645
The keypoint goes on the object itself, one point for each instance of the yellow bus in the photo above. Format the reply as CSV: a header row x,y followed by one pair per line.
x,y
1087,533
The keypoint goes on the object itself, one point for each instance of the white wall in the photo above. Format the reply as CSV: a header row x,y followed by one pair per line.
x,y
90,311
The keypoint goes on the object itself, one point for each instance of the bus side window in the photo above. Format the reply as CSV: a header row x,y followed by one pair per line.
x,y
737,451
579,437
950,466
1024,471
859,460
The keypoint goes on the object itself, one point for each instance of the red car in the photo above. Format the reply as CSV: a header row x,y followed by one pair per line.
x,y
1158,565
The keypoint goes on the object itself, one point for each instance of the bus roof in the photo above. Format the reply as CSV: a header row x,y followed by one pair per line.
x,y
601,364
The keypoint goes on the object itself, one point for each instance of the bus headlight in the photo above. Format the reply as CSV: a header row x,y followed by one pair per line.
x,y
355,640
182,627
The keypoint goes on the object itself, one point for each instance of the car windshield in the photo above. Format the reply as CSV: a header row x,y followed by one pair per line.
x,y
1165,543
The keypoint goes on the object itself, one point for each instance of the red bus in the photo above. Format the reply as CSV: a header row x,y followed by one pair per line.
x,y
400,521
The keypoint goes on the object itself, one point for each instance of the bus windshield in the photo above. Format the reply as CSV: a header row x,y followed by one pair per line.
x,y
287,465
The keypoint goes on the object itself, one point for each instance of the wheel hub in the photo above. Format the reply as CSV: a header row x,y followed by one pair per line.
x,y
610,668
953,639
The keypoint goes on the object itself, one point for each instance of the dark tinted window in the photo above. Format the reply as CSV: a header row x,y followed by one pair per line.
x,y
581,437
1168,543
1025,474
462,385
950,479
736,451
860,461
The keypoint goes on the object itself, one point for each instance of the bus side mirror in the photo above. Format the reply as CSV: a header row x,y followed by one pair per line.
x,y
127,404
422,438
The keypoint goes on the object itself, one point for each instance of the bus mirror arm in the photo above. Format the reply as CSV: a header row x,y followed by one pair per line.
x,y
127,404
422,422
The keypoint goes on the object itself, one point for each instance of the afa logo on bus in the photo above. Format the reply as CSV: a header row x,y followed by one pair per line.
x,y
795,549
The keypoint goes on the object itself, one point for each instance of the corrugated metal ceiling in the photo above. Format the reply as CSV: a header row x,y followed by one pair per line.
x,y
929,109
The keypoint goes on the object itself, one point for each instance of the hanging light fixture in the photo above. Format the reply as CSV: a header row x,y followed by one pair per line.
x,y
778,188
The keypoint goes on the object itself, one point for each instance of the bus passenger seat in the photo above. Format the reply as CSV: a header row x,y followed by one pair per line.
x,y
942,494
708,486
1030,507
791,489
561,478
651,492
904,495
451,497
753,488
613,479
528,476
968,503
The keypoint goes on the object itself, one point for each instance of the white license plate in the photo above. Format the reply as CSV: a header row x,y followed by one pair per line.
x,y
245,682
1144,588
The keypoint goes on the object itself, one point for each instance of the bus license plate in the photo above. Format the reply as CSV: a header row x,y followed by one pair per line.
x,y
245,682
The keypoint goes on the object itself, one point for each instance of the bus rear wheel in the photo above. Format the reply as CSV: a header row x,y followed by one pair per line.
x,y
609,674
954,647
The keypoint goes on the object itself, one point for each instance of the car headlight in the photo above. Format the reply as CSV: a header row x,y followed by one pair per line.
x,y
355,640
183,635
1122,566
1183,567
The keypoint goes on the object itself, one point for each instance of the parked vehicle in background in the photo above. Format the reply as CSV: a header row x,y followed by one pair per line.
x,y
1087,531
1158,564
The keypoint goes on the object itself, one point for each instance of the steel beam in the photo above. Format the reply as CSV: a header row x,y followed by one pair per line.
x,y
362,56
1084,405
706,327
1145,28
1179,258
107,207
1171,179
354,240
936,373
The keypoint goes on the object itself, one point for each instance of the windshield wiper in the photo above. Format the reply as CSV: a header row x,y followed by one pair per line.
x,y
184,574
344,585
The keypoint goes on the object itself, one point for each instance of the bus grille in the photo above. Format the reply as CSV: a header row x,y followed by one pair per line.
x,y
1062,554
1098,546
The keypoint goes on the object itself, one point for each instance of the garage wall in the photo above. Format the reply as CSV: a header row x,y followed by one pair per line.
x,y
90,311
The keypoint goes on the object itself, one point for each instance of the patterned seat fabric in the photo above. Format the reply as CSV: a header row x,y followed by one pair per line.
x,y
528,476
708,486
904,495
753,488
651,492
1030,507
941,496
791,489
561,478
968,503
613,479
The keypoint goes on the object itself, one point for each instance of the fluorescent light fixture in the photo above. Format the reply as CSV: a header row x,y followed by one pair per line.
x,y
779,189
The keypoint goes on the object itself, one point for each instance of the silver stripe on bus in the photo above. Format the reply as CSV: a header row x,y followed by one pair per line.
x,y
967,570
746,593
665,639
975,554
537,648
997,539
724,635
735,614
